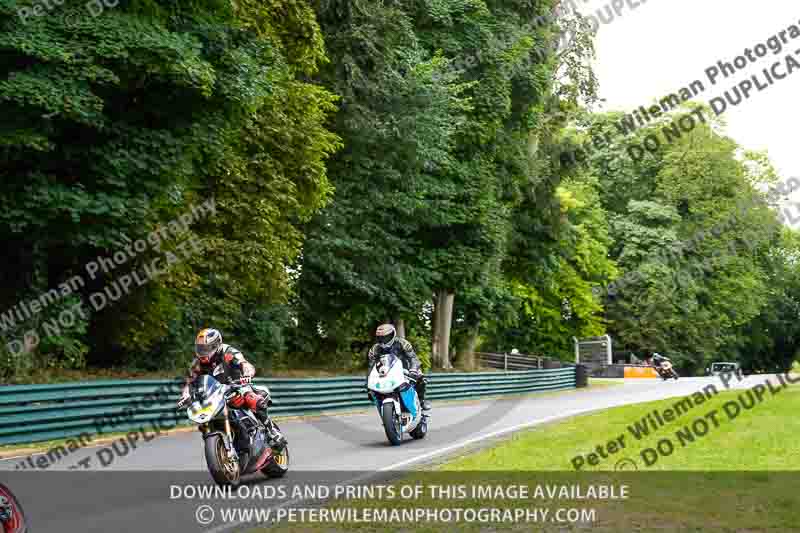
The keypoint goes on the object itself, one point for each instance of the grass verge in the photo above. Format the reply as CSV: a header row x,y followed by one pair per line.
x,y
741,474
761,438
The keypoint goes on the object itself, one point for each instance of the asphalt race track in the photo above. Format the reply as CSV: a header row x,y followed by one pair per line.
x,y
136,486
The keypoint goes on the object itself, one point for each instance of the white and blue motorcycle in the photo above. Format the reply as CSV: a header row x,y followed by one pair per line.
x,y
392,390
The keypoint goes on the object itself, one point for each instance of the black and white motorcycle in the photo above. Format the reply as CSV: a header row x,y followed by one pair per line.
x,y
666,370
236,441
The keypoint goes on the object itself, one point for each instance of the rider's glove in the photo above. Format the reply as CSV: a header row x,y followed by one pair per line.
x,y
184,399
248,370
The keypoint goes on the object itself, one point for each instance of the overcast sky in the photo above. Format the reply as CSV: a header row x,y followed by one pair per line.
x,y
662,45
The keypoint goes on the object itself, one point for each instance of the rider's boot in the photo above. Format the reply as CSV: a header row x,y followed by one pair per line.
x,y
276,440
426,405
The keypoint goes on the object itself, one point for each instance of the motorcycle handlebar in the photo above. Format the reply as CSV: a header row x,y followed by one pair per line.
x,y
412,376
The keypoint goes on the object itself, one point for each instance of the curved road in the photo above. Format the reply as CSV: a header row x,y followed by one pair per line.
x,y
336,448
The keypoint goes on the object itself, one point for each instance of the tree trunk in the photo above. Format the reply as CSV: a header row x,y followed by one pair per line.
x,y
444,317
447,322
467,358
435,333
400,326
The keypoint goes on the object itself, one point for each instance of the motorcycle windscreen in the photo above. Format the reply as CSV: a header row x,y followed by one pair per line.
x,y
212,399
207,385
409,397
387,375
386,362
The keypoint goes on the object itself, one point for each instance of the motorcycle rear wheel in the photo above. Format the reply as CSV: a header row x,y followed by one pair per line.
x,y
222,470
391,424
278,464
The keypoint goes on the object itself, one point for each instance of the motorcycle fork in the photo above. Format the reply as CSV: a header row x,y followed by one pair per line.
x,y
229,433
227,424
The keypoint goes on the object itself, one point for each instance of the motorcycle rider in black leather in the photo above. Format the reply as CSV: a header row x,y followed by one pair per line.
x,y
389,342
656,360
212,353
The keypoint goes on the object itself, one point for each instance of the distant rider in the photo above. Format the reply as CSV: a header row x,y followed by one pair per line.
x,y
389,342
235,370
657,360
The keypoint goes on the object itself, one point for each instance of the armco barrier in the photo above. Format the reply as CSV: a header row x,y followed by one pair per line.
x,y
36,413
504,361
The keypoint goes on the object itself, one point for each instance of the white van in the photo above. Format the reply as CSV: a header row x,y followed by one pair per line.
x,y
724,368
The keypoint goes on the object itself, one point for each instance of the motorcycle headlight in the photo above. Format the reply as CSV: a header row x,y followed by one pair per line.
x,y
203,413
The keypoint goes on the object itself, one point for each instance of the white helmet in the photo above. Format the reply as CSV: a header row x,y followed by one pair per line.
x,y
207,344
386,335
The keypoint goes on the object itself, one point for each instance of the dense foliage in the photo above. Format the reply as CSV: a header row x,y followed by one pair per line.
x,y
115,125
698,248
367,161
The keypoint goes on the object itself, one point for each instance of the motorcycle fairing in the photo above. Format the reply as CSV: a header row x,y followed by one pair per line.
x,y
409,397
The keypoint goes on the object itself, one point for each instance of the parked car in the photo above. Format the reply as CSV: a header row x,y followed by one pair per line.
x,y
724,368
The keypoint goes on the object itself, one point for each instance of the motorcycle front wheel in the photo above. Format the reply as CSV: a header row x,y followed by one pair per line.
x,y
222,469
391,423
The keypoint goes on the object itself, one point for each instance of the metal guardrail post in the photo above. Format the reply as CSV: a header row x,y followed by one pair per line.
x,y
581,376
577,350
505,359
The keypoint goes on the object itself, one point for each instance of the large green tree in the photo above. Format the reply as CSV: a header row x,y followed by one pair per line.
x,y
113,124
555,301
690,236
440,106
771,341
400,108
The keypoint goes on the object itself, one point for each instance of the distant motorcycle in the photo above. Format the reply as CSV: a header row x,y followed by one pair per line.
x,y
235,440
392,391
12,519
666,370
